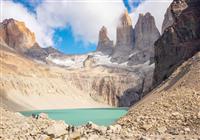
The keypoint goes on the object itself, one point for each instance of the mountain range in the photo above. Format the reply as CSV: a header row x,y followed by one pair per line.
x,y
155,74
112,74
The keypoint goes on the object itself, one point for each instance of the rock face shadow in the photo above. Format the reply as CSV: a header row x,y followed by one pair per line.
x,y
129,97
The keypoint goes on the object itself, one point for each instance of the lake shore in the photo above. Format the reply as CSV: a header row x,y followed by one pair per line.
x,y
16,126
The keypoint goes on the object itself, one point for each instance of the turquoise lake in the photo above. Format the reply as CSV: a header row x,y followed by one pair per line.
x,y
100,116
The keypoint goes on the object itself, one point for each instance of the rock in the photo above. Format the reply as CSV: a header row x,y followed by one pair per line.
x,y
16,35
57,129
43,115
44,137
75,136
146,33
144,138
198,115
187,130
93,137
91,125
125,39
89,62
146,127
162,129
105,45
180,41
102,129
19,114
177,115
114,128
168,19
173,131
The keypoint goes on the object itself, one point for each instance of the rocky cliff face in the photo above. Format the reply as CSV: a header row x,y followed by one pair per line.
x,y
105,45
179,41
125,39
135,46
174,9
170,110
19,38
107,88
16,35
168,19
146,33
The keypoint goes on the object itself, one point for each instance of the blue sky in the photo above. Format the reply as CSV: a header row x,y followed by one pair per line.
x,y
64,38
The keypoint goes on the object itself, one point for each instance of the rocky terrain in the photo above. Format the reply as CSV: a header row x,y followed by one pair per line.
x,y
27,85
171,111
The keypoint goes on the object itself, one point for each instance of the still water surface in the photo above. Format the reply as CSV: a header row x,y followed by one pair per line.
x,y
100,116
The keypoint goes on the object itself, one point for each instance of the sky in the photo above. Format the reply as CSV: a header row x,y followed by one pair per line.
x,y
72,26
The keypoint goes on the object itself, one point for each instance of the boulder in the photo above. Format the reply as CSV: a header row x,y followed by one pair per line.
x,y
57,129
43,115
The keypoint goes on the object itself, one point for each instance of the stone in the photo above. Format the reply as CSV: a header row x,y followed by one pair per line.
x,y
43,115
177,115
93,137
75,136
44,137
162,129
144,138
173,131
198,115
57,129
92,125
19,114
146,127
114,128
187,130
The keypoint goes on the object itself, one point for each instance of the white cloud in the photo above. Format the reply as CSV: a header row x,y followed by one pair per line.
x,y
85,17
43,34
157,8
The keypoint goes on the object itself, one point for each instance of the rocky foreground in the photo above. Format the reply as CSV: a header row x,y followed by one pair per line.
x,y
171,111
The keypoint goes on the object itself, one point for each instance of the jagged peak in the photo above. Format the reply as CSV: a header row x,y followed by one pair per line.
x,y
146,15
103,36
6,21
125,19
16,35
147,18
20,25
